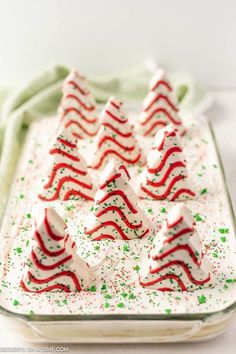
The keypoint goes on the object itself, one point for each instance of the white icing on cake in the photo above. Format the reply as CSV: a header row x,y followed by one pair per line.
x,y
115,137
179,264
68,177
165,175
78,111
53,264
159,107
116,214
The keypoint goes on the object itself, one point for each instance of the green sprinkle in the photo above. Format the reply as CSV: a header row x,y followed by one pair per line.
x,y
223,230
202,299
150,211
31,161
163,210
104,287
106,305
28,216
215,255
223,238
132,296
97,248
126,248
124,295
203,191
120,305
16,302
22,178
197,217
70,207
21,196
168,311
231,280
93,289
27,243
136,268
107,296
18,250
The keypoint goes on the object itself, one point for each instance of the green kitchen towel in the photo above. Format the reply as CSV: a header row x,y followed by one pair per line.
x,y
41,96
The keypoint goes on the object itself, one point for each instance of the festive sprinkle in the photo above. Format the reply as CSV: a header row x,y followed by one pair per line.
x,y
16,302
223,238
202,299
168,311
163,210
197,217
203,191
223,231
120,305
18,250
93,289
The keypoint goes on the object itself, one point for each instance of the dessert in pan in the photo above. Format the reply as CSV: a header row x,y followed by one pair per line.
x,y
118,211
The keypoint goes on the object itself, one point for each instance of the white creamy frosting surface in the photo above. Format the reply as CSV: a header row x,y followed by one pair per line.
x,y
116,265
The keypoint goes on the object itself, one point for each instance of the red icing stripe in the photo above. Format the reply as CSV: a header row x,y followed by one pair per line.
x,y
60,184
117,106
81,103
124,135
75,110
121,214
67,143
145,233
166,175
49,267
164,159
107,223
174,223
62,274
48,288
161,83
69,179
166,135
64,153
74,122
103,237
73,192
170,276
77,87
122,195
185,268
178,248
182,191
122,121
59,166
164,111
123,167
161,97
44,249
179,234
166,193
114,152
153,126
126,148
49,229
110,180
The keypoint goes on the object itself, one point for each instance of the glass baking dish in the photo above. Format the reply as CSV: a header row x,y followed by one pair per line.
x,y
125,328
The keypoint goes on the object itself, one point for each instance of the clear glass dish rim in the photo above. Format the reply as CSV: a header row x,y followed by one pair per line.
x,y
204,316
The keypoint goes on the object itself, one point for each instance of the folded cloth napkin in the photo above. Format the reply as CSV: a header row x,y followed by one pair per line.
x,y
41,96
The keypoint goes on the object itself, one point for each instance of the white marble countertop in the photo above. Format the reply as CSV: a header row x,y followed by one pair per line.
x,y
223,117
